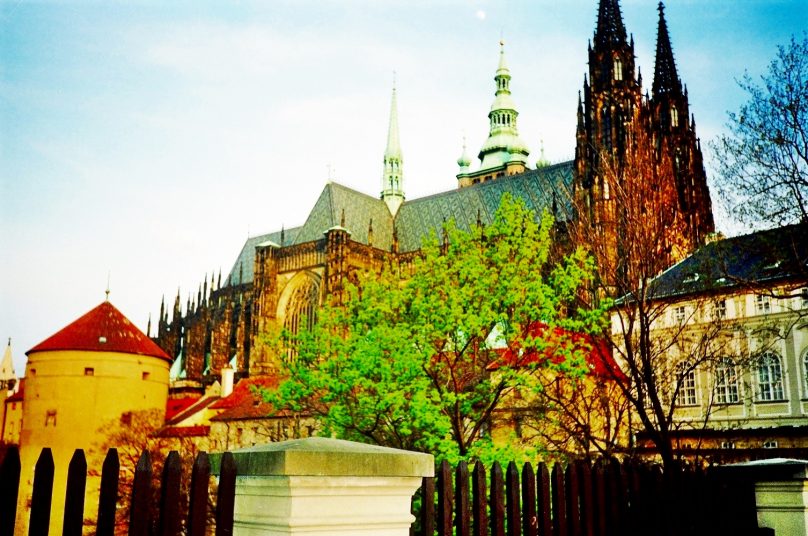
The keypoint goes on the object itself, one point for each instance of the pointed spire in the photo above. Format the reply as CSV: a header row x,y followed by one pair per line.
x,y
7,376
610,31
148,327
666,80
283,235
393,174
163,308
342,219
370,232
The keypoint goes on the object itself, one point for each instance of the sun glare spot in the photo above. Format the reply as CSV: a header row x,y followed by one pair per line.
x,y
480,14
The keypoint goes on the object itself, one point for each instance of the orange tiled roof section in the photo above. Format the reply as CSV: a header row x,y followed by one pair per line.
x,y
103,329
599,358
246,401
175,406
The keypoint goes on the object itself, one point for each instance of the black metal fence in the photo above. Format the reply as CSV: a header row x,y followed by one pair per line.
x,y
579,499
604,499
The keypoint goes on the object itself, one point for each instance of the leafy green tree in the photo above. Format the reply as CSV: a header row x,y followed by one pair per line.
x,y
424,356
763,162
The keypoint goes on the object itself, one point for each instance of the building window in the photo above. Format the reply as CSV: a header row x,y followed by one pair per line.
x,y
727,444
679,314
770,378
89,371
687,385
763,304
618,69
770,444
727,382
720,310
674,116
50,417
145,376
805,370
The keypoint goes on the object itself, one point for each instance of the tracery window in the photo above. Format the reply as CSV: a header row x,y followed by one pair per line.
x,y
301,311
727,382
674,116
770,378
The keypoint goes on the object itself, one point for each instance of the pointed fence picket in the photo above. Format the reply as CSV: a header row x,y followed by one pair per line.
x,y
146,516
606,498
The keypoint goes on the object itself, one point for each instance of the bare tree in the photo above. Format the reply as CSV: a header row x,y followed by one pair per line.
x,y
635,230
763,162
131,435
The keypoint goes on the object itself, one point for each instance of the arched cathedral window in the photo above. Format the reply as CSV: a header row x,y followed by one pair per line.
x,y
674,116
301,312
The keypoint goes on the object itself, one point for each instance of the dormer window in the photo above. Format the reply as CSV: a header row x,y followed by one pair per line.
x,y
618,69
692,278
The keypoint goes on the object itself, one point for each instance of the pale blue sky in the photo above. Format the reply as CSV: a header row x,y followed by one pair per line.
x,y
148,139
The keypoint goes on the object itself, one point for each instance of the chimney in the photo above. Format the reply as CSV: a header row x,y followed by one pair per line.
x,y
227,380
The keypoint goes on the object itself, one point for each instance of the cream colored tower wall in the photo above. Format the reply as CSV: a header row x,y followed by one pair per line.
x,y
69,397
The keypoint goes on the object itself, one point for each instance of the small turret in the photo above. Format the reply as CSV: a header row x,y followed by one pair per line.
x,y
464,161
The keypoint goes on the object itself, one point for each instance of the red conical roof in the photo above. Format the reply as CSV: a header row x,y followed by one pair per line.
x,y
103,329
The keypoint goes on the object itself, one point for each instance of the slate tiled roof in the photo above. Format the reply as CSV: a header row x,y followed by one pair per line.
x,y
417,218
103,329
359,210
242,271
758,258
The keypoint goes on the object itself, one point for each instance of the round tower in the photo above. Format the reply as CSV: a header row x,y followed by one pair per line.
x,y
84,380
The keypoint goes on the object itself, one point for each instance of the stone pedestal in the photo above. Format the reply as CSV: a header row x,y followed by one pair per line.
x,y
781,493
326,487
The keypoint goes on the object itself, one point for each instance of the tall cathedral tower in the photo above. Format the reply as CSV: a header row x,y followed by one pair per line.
x,y
611,97
611,110
668,115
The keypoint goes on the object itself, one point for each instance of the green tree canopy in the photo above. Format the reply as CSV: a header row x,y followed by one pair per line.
x,y
423,356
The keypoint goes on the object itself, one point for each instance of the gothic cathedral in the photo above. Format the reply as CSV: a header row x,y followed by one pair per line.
x,y
280,278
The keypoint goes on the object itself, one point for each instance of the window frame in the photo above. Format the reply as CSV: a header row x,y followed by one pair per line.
x,y
727,370
773,384
688,392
